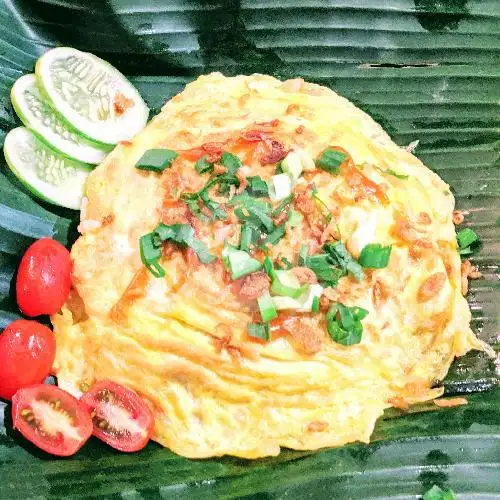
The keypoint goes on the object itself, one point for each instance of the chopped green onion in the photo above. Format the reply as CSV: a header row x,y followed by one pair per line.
x,y
183,234
344,323
260,331
274,237
240,263
279,168
375,256
331,160
303,303
395,174
323,205
436,493
280,186
231,162
151,254
266,307
292,165
256,216
315,304
257,187
285,262
156,160
269,268
466,237
213,206
287,285
304,250
202,165
191,200
295,218
284,204
345,260
249,236
225,181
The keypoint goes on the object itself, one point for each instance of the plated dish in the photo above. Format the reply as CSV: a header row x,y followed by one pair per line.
x,y
266,269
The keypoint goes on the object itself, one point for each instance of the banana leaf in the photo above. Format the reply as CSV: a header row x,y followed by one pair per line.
x,y
424,69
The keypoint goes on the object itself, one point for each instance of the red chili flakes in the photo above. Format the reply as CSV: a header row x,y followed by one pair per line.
x,y
121,103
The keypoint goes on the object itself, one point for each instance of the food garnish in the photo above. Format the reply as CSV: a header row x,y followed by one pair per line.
x,y
119,415
51,419
156,160
27,351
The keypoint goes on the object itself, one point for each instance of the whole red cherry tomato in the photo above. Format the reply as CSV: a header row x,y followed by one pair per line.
x,y
44,278
27,351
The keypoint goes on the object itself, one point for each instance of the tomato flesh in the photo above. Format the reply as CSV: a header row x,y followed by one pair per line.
x,y
51,419
27,352
44,278
121,418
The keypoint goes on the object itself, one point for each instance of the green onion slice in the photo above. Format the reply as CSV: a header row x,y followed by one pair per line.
x,y
260,331
345,260
257,187
239,262
231,162
315,304
274,237
266,307
203,165
465,238
156,160
375,256
150,254
331,160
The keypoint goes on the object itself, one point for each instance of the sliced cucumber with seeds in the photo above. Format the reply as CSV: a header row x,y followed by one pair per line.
x,y
45,172
37,114
93,96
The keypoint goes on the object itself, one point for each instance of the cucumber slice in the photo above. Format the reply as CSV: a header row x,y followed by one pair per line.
x,y
45,172
37,114
93,96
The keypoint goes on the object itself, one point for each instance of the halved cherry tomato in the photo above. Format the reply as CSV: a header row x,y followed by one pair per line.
x,y
44,278
121,418
51,418
27,351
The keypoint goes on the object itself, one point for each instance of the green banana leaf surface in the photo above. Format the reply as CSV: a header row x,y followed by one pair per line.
x,y
424,69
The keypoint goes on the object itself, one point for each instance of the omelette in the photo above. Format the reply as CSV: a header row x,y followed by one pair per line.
x,y
305,275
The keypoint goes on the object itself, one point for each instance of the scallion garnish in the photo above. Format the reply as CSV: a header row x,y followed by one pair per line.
x,y
295,218
344,259
375,256
292,165
231,162
266,307
213,206
182,234
467,239
283,205
239,262
203,165
331,160
191,200
286,285
274,237
150,254
257,187
269,267
156,160
315,305
260,331
323,205
249,236
304,250
283,261
395,174
280,186
344,323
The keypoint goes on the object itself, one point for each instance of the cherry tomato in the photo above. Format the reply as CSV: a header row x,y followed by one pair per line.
x,y
27,351
121,418
51,418
44,278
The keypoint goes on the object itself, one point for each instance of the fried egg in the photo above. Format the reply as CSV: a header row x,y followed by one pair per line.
x,y
181,341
